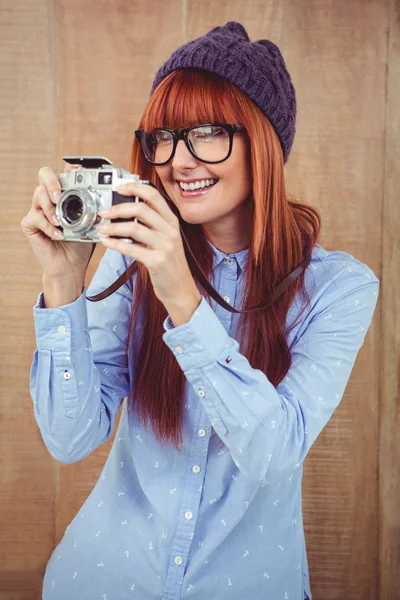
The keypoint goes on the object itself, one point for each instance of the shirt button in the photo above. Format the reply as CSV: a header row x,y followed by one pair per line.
x,y
188,515
202,432
178,349
229,261
227,299
178,560
196,469
67,375
201,393
61,329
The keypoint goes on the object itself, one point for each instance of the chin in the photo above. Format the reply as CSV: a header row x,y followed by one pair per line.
x,y
192,220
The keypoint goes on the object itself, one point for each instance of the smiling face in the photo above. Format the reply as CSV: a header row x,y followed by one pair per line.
x,y
224,209
192,97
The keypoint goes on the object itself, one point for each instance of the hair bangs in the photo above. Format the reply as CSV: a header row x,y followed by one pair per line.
x,y
189,97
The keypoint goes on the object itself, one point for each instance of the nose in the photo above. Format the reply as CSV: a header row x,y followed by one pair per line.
x,y
183,159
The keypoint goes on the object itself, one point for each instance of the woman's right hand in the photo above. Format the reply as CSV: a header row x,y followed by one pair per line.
x,y
59,260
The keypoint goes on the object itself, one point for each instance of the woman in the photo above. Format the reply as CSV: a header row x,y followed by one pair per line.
x,y
201,493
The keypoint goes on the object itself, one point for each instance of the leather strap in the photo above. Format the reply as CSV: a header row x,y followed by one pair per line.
x,y
198,273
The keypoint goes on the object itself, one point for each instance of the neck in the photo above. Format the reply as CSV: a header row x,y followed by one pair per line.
x,y
227,246
231,235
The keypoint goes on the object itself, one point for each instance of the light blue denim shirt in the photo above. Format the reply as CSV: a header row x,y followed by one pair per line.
x,y
202,521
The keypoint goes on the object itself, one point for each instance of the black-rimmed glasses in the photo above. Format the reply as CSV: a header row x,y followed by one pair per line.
x,y
210,143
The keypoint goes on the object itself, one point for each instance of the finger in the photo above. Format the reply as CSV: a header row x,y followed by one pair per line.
x,y
68,168
145,214
151,195
42,201
134,230
35,222
49,179
140,253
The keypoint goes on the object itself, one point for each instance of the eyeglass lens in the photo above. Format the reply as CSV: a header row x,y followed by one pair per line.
x,y
208,142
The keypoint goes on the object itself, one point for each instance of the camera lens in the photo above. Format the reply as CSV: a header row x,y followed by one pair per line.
x,y
72,209
77,210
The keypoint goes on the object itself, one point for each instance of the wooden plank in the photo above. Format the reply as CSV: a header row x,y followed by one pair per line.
x,y
389,454
27,135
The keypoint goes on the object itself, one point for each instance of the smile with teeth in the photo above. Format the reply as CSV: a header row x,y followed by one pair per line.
x,y
196,185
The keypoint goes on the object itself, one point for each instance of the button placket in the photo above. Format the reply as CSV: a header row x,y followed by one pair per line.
x,y
228,261
189,505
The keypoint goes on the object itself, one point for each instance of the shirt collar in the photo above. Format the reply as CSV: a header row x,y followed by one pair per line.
x,y
219,256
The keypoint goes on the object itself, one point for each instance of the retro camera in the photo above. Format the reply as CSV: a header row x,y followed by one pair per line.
x,y
85,191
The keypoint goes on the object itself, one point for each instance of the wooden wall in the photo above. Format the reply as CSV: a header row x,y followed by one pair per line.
x,y
74,78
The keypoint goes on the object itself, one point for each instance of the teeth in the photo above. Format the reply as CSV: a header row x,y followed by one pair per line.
x,y
202,183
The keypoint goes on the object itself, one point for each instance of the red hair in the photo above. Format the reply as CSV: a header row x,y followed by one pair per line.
x,y
284,232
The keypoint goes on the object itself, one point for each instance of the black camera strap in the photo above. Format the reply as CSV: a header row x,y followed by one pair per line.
x,y
202,279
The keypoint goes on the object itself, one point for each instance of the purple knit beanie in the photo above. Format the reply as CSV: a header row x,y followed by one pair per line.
x,y
256,68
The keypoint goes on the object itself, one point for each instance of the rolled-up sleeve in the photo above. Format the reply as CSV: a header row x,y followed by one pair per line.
x,y
265,428
79,373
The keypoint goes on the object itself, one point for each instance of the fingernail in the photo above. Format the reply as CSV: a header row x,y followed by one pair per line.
x,y
55,220
56,195
103,213
58,234
122,188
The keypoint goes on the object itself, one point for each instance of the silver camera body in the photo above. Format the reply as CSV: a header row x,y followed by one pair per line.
x,y
85,191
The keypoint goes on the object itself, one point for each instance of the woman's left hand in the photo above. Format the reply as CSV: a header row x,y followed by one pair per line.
x,y
162,253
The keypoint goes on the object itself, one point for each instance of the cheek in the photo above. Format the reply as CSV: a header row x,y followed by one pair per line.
x,y
164,174
165,180
240,168
239,180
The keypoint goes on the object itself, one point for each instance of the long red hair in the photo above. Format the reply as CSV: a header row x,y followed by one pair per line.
x,y
284,232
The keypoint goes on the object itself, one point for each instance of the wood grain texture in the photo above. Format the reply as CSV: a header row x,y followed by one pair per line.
x,y
389,448
339,59
75,79
27,136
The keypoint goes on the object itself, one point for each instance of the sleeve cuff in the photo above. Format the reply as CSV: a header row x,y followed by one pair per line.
x,y
198,342
61,328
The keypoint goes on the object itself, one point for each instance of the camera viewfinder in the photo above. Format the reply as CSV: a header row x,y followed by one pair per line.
x,y
105,178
